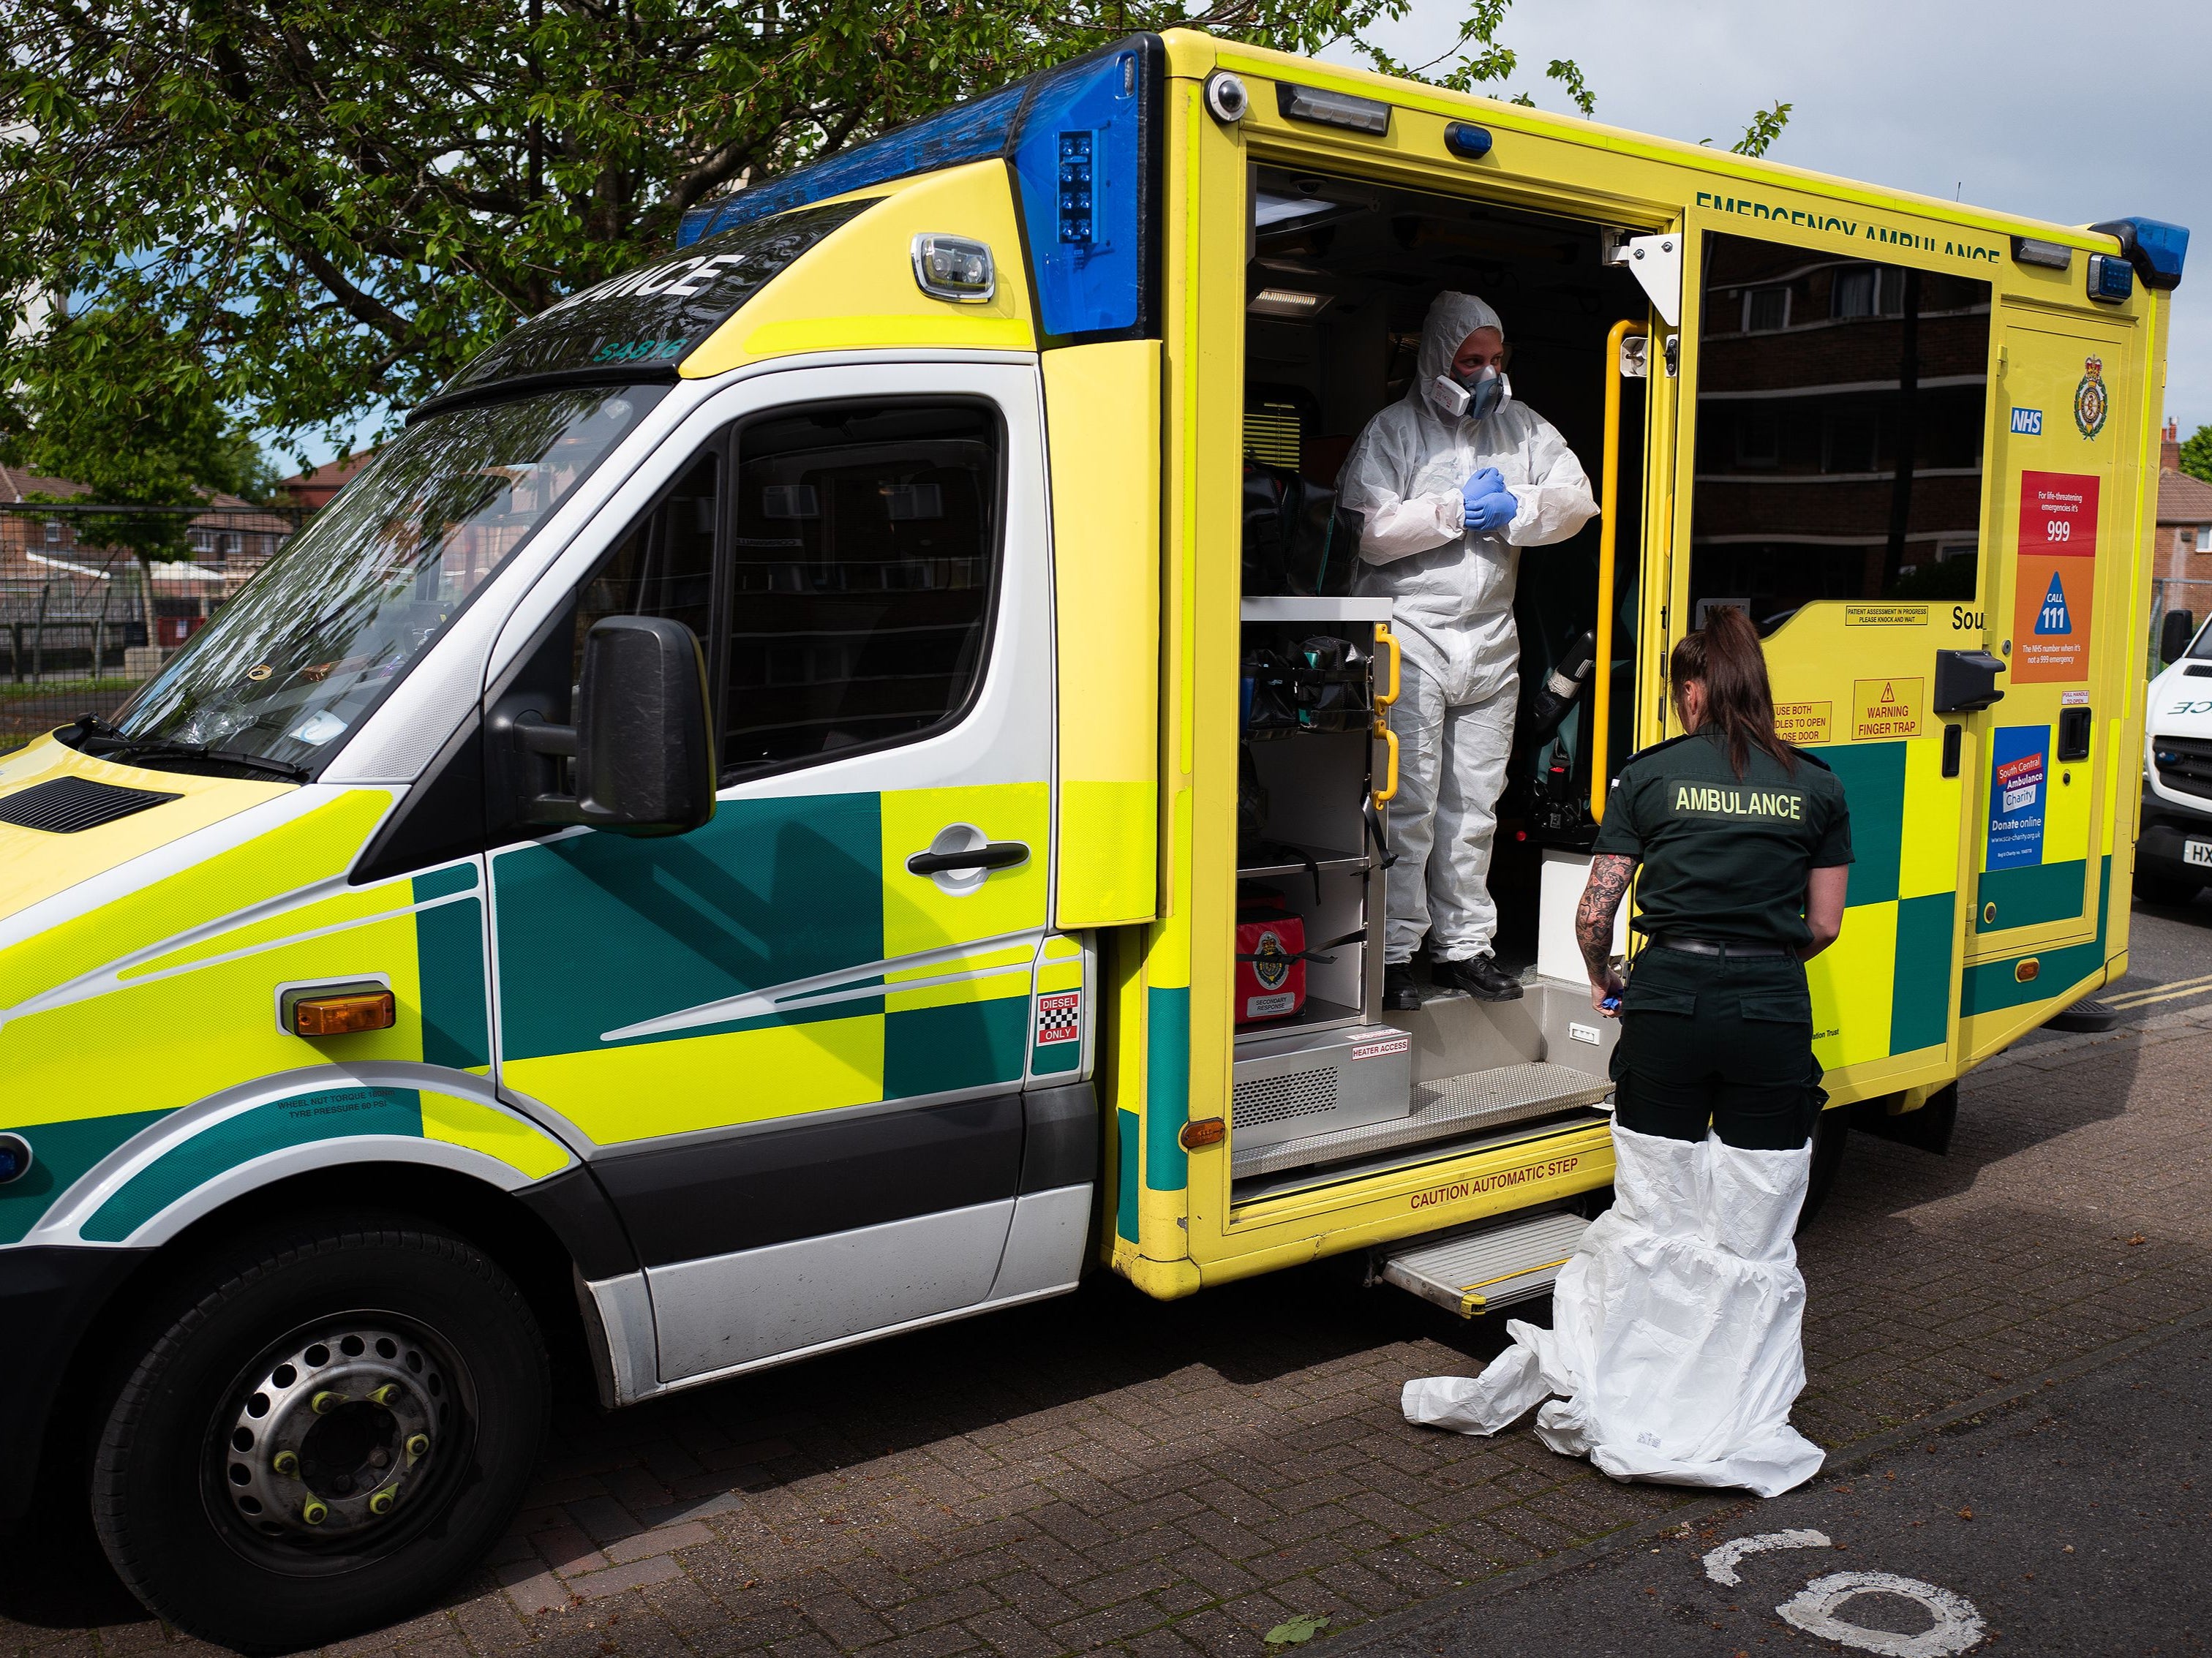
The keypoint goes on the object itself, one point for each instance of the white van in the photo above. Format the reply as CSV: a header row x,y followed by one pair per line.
x,y
2173,856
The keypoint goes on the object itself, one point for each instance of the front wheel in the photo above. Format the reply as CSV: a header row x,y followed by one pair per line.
x,y
324,1426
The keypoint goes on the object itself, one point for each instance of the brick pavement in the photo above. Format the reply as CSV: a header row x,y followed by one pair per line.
x,y
1102,1472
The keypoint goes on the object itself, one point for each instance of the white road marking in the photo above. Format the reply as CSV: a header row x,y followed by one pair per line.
x,y
1720,1564
1814,1609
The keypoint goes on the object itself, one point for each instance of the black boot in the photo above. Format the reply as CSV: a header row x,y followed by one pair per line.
x,y
1480,977
1400,993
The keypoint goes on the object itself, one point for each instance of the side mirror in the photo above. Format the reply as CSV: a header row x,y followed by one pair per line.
x,y
643,744
2174,634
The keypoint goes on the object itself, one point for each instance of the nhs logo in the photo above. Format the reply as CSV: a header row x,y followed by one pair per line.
x,y
2026,422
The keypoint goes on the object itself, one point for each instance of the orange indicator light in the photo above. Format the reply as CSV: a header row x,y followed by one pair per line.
x,y
344,1014
1206,1131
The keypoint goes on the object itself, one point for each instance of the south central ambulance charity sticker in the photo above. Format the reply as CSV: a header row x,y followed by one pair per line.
x,y
2017,781
2091,403
2054,578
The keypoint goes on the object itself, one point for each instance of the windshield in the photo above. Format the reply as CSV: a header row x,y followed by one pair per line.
x,y
310,644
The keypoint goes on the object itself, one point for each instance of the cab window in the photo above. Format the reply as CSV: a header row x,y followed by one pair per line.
x,y
665,565
864,564
1842,406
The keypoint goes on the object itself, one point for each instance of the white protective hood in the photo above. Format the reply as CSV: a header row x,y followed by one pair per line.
x,y
1453,591
1677,1339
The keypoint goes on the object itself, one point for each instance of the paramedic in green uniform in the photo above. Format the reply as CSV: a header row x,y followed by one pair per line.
x,y
1746,844
1677,1340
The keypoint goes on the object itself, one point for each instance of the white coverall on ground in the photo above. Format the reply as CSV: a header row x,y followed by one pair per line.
x,y
1452,593
1676,1340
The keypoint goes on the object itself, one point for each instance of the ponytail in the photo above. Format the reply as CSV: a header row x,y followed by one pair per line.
x,y
1725,653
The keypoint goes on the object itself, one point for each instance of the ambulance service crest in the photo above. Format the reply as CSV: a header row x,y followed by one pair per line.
x,y
2092,402
1271,962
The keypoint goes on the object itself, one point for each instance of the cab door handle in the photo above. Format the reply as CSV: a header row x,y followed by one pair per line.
x,y
992,855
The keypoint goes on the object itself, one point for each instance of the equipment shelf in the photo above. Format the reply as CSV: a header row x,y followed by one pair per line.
x,y
1326,860
1319,1013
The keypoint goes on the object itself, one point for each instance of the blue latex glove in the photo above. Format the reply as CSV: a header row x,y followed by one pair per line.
x,y
1492,513
1486,482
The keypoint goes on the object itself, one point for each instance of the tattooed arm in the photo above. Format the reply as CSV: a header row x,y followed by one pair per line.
x,y
1608,881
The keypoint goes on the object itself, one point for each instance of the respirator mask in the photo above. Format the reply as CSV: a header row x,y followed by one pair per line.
x,y
1472,397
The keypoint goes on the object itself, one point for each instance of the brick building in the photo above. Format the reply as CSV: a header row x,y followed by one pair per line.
x,y
312,489
2181,540
67,593
1841,406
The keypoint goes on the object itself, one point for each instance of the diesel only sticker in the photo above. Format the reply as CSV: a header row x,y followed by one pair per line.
x,y
1060,1018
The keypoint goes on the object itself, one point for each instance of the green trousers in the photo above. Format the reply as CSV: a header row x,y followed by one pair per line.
x,y
1706,1041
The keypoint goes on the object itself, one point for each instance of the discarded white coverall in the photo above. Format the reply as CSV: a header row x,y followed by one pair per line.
x,y
1676,1328
1453,613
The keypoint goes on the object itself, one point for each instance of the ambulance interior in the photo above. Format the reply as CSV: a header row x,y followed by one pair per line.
x,y
1341,273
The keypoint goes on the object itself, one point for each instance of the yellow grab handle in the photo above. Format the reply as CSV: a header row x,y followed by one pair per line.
x,y
1384,636
1608,529
1389,791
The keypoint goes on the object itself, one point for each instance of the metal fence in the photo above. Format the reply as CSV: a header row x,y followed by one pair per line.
x,y
84,619
2190,593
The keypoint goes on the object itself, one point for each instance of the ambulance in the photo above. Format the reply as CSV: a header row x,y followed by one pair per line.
x,y
839,780
2174,855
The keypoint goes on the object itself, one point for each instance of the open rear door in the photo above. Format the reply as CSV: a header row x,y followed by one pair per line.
x,y
1837,408
2063,548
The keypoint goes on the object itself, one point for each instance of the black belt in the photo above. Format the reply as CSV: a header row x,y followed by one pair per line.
x,y
1727,952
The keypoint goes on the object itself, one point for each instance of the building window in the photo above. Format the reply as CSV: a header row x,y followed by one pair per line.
x,y
1757,438
203,541
233,543
1766,310
53,532
1857,292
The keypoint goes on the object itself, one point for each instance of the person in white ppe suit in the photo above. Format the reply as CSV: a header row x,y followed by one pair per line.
x,y
1452,482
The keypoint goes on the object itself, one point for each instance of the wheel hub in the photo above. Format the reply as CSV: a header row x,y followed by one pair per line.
x,y
331,1440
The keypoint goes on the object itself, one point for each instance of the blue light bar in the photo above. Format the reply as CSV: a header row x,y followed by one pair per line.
x,y
1080,140
966,132
2157,249
1081,159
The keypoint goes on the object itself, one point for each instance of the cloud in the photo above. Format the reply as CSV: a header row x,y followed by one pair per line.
x,y
2026,106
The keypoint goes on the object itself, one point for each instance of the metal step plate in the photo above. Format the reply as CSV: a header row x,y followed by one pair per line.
x,y
1474,1272
1454,1106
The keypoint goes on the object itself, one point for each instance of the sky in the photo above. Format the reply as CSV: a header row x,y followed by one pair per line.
x,y
2075,113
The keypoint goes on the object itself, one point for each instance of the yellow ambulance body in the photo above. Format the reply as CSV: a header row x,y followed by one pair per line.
x,y
732,837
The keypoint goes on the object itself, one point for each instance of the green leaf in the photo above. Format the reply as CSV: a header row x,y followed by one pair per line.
x,y
330,208
1298,1631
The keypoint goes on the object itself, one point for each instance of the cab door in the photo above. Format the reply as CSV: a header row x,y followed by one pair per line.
x,y
2062,539
797,1037
1839,396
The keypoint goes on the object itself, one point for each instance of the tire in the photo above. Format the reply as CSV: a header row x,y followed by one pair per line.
x,y
1828,1137
241,1500
2173,890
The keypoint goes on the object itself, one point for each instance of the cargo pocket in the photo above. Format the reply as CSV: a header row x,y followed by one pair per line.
x,y
1641,997
1778,1007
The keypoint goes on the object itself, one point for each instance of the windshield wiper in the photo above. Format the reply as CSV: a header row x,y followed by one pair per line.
x,y
91,730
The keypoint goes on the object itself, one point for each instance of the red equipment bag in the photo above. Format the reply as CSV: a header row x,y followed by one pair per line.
x,y
1270,957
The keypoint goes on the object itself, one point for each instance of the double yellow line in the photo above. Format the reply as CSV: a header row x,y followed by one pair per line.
x,y
2165,993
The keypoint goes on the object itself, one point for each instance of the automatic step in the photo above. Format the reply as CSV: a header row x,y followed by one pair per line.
x,y
1474,1272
